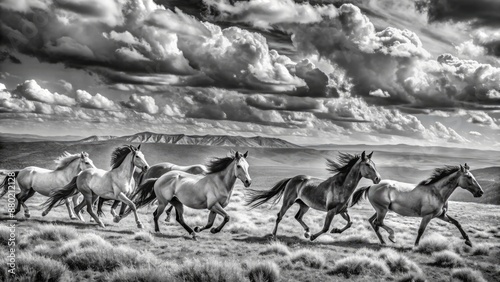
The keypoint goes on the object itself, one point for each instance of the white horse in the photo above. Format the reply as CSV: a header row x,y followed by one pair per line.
x,y
114,184
45,181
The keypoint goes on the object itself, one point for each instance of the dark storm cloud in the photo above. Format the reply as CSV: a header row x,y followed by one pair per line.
x,y
282,102
5,55
478,12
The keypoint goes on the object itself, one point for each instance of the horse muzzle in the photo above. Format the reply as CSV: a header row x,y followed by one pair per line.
x,y
247,183
478,194
377,180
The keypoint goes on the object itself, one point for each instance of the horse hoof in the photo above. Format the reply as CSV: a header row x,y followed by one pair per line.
x,y
194,236
91,219
335,230
139,225
116,219
307,234
197,229
27,215
468,243
73,217
44,213
213,230
102,225
392,239
313,238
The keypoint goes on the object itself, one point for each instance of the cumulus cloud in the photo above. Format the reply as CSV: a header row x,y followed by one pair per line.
x,y
440,131
475,133
97,101
34,92
482,118
142,104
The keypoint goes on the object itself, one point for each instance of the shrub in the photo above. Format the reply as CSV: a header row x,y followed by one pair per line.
x,y
88,240
143,236
158,274
397,262
447,259
210,270
433,243
466,275
50,232
481,250
277,248
36,268
309,258
359,265
263,272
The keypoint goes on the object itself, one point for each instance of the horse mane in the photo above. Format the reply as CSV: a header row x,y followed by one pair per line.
x,y
440,173
342,165
65,159
119,155
219,164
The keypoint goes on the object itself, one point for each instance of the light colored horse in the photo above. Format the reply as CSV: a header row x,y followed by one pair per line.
x,y
428,200
113,184
331,195
155,171
212,191
45,181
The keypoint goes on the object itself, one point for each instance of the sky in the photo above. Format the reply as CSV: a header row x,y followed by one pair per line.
x,y
423,72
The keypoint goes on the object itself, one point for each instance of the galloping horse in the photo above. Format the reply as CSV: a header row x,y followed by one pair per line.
x,y
155,171
212,191
112,184
331,195
429,199
45,181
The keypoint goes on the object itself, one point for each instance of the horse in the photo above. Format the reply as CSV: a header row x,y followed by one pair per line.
x,y
155,171
211,191
113,184
428,199
45,181
331,195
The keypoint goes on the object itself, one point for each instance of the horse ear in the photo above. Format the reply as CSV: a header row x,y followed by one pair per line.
x,y
82,155
139,147
237,155
245,155
363,156
466,166
370,155
462,168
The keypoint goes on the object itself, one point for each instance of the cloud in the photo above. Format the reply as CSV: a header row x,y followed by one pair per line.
x,y
482,118
32,91
475,133
440,131
142,104
97,101
477,12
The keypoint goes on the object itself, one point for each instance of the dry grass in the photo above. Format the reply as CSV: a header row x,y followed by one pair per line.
x,y
466,275
448,259
481,249
209,270
276,248
397,262
308,258
359,265
31,267
412,277
157,274
4,234
143,236
433,243
266,271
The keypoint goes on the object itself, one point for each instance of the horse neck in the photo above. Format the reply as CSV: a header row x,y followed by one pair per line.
x,y
447,185
70,171
352,178
126,168
227,177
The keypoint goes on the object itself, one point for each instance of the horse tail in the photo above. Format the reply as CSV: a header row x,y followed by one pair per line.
x,y
145,193
57,197
5,183
356,197
257,198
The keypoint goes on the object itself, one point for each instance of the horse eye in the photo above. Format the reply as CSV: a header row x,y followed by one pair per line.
x,y
87,163
238,166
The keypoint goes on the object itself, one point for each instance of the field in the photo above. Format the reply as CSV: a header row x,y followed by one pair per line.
x,y
56,248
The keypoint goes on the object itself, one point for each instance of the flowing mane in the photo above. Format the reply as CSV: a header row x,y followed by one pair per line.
x,y
341,166
219,164
440,173
65,159
119,154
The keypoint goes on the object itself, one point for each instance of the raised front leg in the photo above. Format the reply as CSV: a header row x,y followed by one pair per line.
x,y
131,204
217,208
423,224
346,216
453,221
210,222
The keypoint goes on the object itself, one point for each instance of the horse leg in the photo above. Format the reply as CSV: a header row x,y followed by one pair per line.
x,y
100,203
30,194
423,224
113,208
131,204
287,203
302,210
375,227
453,221
78,209
123,207
156,215
179,216
217,208
68,203
210,222
90,198
328,221
167,212
74,199
347,218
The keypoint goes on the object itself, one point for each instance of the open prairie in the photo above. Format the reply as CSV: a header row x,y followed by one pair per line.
x,y
55,248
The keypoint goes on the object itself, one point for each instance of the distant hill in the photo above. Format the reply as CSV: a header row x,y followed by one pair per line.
x,y
201,140
489,178
10,137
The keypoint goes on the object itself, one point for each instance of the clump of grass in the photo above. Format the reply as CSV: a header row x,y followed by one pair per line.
x,y
308,257
143,236
210,270
87,240
30,267
108,259
447,258
156,274
466,275
355,238
397,262
366,252
50,232
412,277
433,243
276,248
359,265
481,250
263,272
4,234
